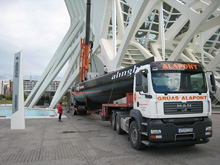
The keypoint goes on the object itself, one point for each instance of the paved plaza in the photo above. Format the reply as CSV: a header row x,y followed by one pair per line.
x,y
86,140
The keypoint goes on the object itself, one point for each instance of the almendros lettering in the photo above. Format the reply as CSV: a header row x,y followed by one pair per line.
x,y
177,66
171,98
124,73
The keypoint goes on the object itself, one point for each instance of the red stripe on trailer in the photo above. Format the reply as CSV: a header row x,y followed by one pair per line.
x,y
83,93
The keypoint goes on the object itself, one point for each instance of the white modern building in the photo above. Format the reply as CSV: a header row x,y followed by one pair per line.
x,y
125,32
48,93
1,87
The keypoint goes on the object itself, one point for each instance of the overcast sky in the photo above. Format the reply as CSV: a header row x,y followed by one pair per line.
x,y
35,27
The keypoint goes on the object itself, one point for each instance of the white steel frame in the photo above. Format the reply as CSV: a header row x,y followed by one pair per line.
x,y
186,30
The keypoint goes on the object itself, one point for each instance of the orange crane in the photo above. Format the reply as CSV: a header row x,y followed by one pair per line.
x,y
84,47
84,60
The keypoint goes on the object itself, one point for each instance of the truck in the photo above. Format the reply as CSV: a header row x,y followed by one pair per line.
x,y
167,102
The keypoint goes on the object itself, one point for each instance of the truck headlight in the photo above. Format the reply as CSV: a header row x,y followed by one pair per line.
x,y
155,131
208,133
208,129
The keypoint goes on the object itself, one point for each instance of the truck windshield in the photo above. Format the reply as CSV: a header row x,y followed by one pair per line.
x,y
179,82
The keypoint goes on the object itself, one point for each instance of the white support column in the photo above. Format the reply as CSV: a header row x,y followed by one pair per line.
x,y
130,32
120,22
65,79
72,12
114,39
162,32
17,117
174,29
190,55
58,62
214,22
196,23
214,62
48,68
201,47
210,67
54,72
65,87
185,58
107,17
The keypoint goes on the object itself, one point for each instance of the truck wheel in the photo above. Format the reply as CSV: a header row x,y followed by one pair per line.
x,y
135,136
113,122
118,128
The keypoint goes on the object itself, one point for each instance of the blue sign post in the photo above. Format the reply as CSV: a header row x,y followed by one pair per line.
x,y
17,118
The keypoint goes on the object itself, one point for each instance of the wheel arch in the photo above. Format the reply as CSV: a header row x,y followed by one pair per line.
x,y
137,116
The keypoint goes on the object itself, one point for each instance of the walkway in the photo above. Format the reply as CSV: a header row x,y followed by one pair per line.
x,y
86,140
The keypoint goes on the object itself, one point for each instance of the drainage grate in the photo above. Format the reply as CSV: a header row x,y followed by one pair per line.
x,y
87,131
69,131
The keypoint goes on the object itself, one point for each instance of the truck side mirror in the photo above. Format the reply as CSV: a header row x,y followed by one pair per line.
x,y
212,79
214,88
138,82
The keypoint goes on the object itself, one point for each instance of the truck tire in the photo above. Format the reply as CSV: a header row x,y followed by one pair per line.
x,y
135,136
118,128
113,122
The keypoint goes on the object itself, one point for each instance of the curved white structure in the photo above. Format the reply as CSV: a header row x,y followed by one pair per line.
x,y
127,31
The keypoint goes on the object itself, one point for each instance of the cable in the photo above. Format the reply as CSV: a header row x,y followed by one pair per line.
x,y
111,91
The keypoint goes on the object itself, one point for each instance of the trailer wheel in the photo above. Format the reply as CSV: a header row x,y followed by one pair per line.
x,y
135,136
113,122
118,128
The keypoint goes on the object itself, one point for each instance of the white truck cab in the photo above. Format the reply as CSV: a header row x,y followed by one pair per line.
x,y
171,104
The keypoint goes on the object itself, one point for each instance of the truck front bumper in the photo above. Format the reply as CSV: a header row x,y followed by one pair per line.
x,y
180,131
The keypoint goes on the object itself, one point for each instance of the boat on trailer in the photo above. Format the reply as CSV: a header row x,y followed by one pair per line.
x,y
106,88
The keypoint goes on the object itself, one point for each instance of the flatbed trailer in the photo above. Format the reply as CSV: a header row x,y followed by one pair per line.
x,y
108,109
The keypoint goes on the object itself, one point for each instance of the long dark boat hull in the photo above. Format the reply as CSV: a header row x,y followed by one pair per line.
x,y
107,88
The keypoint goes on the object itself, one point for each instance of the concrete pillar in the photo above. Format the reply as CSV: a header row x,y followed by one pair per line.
x,y
17,117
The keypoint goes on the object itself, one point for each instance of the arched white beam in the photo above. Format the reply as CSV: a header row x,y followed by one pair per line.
x,y
189,54
62,86
67,46
175,28
210,67
49,66
130,32
106,19
210,24
196,22
120,21
71,11
56,70
66,87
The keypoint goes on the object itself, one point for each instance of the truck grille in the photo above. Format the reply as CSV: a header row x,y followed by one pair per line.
x,y
183,108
